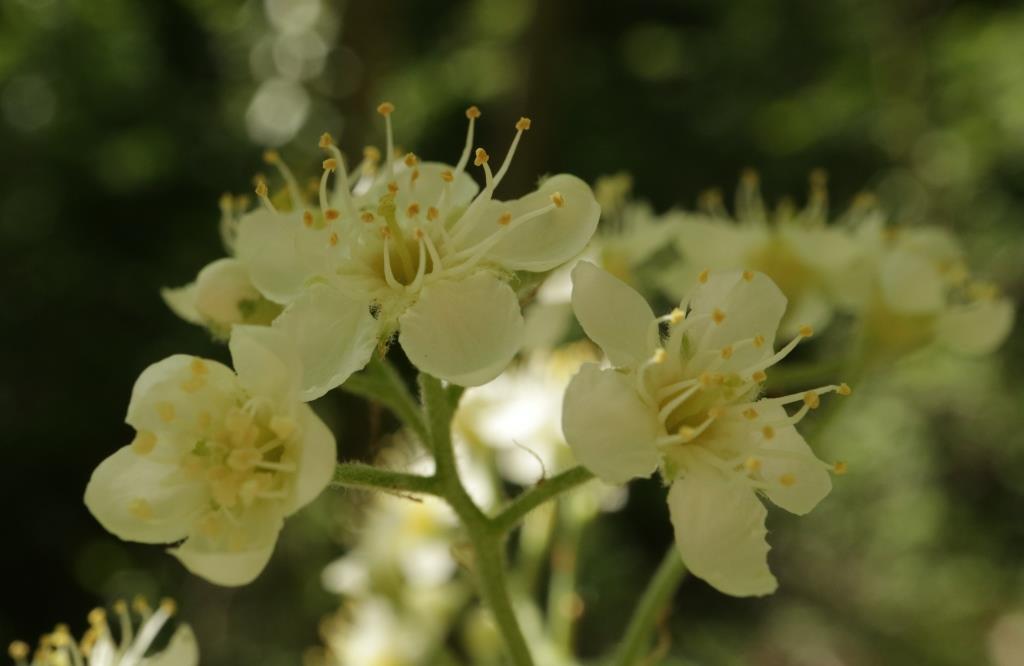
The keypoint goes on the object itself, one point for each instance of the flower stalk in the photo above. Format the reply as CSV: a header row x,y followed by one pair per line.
x,y
655,600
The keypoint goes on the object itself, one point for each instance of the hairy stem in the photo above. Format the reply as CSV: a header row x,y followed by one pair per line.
x,y
528,500
360,475
655,599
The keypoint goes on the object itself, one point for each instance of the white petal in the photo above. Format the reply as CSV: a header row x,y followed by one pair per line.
x,y
161,399
181,650
182,302
911,283
335,335
465,331
267,363
825,249
751,307
222,289
977,328
429,185
811,308
610,430
317,461
553,238
280,253
137,498
613,315
715,244
720,533
811,481
233,566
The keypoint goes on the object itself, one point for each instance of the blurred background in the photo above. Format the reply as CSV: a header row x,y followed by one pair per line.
x,y
121,122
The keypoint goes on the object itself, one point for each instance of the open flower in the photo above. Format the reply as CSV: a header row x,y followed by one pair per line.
x,y
687,403
809,260
218,459
411,248
98,648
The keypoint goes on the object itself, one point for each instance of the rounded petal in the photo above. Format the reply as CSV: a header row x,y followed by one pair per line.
x,y
716,244
166,397
811,308
613,315
798,481
751,303
553,238
610,430
911,283
430,184
316,464
977,328
267,363
465,331
280,253
234,559
222,288
138,498
334,334
826,249
182,302
720,533
181,650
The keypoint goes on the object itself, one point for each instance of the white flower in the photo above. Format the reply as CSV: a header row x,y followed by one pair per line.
x,y
222,294
411,248
921,292
98,648
218,459
688,404
374,632
809,260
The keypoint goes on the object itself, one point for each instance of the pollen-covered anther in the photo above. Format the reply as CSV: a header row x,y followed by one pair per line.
x,y
413,210
261,188
144,442
758,341
385,109
707,379
787,480
18,650
271,156
659,356
844,389
326,140
141,509
168,606
727,351
703,276
473,112
523,124
504,218
307,218
717,316
371,154
165,411
840,467
97,617
752,465
750,176
676,316
410,160
758,376
748,276
687,433
418,233
812,400
331,214
768,432
432,213
330,164
716,412
750,413
480,157
805,331
140,605
392,187
367,217
447,176
557,199
333,238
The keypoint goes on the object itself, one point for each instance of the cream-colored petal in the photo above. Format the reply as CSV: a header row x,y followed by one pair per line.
x,y
233,560
976,328
613,315
911,283
334,333
172,393
144,498
465,331
316,462
182,302
280,253
551,239
223,288
812,308
732,307
610,430
799,481
181,650
720,533
716,245
267,363
828,250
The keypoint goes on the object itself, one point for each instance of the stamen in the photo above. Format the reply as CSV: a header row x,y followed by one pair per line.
x,y
472,113
717,316
386,109
558,199
840,468
144,442
481,159
389,276
522,125
294,192
703,276
125,622
261,192
422,266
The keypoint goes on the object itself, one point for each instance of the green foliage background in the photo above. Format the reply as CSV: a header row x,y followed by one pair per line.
x,y
122,121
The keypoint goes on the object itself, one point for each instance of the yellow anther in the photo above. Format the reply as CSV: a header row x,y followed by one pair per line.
x,y
840,467
703,276
706,379
812,400
18,650
385,232
659,356
120,607
749,176
141,509
140,605
523,124
144,442
413,210
418,233
676,316
210,525
844,389
716,412
193,384
165,411
61,636
758,376
748,276
371,154
687,433
410,160
271,156
727,351
818,178
392,187
806,331
333,238
557,199
472,112
385,109
432,213
307,218
481,157
768,432
367,217
326,140
97,617
750,413
330,164
758,341
414,176
226,200
717,316
261,188
282,426
169,606
242,460
787,479
752,465
447,176
331,214
198,367
504,218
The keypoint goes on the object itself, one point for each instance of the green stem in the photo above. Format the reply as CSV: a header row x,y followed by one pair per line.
x,y
359,475
528,500
655,599
562,599
488,542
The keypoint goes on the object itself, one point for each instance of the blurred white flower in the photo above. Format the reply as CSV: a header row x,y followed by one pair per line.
x,y
218,459
411,248
98,648
688,404
373,632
